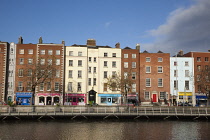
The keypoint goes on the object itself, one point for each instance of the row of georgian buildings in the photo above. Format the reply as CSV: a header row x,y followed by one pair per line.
x,y
82,72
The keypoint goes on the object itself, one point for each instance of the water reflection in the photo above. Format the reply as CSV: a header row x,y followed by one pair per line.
x,y
104,130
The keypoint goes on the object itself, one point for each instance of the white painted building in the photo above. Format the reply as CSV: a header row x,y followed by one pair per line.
x,y
87,67
182,80
11,72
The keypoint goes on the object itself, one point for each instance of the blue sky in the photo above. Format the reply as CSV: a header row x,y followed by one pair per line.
x,y
165,25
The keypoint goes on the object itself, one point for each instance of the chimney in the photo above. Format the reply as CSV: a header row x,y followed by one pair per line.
x,y
181,53
138,46
117,45
20,40
91,42
63,42
40,40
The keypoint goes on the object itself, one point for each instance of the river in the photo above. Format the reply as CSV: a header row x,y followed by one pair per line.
x,y
104,130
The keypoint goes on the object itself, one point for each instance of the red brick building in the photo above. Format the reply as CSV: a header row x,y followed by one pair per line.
x,y
3,70
130,69
154,77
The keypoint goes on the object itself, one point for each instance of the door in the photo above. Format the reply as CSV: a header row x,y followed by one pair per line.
x,y
154,97
109,101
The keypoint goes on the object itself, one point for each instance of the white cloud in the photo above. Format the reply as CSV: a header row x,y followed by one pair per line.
x,y
186,28
107,24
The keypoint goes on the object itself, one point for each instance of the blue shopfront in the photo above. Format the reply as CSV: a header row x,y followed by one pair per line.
x,y
23,98
201,100
109,99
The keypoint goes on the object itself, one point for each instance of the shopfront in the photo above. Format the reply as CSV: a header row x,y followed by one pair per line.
x,y
201,100
75,99
185,97
109,99
23,98
49,98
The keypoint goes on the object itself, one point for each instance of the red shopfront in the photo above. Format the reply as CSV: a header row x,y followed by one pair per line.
x,y
75,99
49,98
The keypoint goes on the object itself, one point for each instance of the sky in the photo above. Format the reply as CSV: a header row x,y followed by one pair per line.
x,y
166,25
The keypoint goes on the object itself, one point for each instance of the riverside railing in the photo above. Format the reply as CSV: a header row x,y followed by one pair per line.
x,y
103,111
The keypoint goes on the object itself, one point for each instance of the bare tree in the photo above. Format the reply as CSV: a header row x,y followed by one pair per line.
x,y
40,72
203,80
116,82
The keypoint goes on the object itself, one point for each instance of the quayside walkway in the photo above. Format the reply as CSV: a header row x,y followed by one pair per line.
x,y
102,111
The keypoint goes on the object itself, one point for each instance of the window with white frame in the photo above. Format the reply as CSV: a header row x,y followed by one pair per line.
x,y
162,95
70,86
11,50
198,59
21,51
148,59
105,63
29,85
50,52
57,73
90,59
89,69
94,81
94,59
199,67
48,86
133,87
160,82
105,74
79,53
125,75
113,64
148,82
187,73
79,86
187,86
175,84
30,51
89,81
70,62
20,72
20,86
21,61
70,73
105,54
133,55
113,54
146,95
198,77
133,75
113,74
79,63
94,69
57,61
125,55
175,73
105,86
186,63
70,53
29,73
175,63
41,87
160,69
125,64
57,86
148,69
42,51
42,61
57,52
160,59
206,59
49,61
79,74
30,61
133,64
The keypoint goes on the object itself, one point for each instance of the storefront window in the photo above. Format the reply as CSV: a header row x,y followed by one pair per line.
x,y
114,100
74,99
41,99
103,100
56,99
81,99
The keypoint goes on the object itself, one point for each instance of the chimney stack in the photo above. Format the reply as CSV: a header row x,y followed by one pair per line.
x,y
181,53
20,40
40,40
117,45
138,46
63,42
91,42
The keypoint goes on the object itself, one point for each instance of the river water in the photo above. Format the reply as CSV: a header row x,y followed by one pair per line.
x,y
104,130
